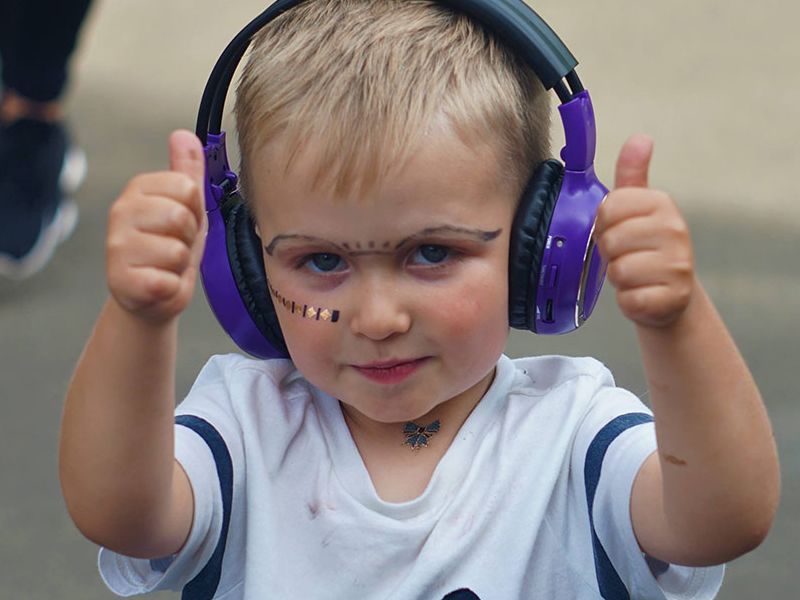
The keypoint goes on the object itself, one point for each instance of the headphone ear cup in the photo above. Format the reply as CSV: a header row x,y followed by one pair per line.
x,y
247,266
528,238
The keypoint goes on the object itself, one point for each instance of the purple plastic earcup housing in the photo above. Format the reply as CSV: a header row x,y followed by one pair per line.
x,y
555,270
572,270
582,193
227,299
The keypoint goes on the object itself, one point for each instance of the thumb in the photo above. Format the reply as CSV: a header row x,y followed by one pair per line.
x,y
186,156
634,161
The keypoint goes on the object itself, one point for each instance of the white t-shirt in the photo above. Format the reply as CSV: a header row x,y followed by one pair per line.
x,y
506,514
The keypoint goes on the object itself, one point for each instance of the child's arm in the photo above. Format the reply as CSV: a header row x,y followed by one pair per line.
x,y
120,481
711,491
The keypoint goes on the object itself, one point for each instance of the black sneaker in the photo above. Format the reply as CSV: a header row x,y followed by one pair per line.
x,y
38,168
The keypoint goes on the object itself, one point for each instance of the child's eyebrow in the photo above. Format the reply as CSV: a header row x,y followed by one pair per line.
x,y
479,235
270,248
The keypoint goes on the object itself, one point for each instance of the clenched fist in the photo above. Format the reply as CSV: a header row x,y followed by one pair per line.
x,y
645,239
156,235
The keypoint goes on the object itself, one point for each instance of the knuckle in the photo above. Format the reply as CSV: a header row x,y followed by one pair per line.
x,y
608,245
662,198
683,295
118,211
156,286
600,242
618,273
684,268
681,270
186,188
631,302
606,213
638,302
139,181
181,219
122,285
179,254
116,241
114,278
677,228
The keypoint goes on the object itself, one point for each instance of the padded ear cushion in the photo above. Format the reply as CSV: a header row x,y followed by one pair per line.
x,y
528,239
247,266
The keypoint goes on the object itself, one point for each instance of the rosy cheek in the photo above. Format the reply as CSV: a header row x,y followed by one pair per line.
x,y
471,312
308,336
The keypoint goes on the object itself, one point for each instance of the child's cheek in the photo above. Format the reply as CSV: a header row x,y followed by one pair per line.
x,y
475,313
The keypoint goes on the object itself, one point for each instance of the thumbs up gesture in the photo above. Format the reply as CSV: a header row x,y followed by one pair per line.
x,y
645,239
156,235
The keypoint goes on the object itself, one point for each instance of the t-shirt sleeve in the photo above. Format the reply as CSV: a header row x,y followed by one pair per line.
x,y
615,438
207,401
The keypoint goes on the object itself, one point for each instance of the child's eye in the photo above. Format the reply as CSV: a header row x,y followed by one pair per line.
x,y
324,262
431,254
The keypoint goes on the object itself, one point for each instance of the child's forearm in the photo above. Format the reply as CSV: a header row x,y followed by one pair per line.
x,y
717,456
711,492
120,480
116,450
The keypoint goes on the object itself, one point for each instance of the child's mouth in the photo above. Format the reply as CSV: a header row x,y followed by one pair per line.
x,y
391,371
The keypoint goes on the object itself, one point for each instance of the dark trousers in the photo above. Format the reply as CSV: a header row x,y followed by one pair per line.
x,y
37,38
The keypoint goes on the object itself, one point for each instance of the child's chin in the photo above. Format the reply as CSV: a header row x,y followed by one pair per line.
x,y
392,414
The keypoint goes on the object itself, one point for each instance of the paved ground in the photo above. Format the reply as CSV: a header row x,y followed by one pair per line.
x,y
712,81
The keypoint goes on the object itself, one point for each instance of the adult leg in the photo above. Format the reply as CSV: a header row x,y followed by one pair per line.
x,y
37,38
38,166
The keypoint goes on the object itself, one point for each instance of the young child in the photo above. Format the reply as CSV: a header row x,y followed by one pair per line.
x,y
399,454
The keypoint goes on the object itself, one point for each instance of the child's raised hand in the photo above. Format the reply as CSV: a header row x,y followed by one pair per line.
x,y
156,235
645,239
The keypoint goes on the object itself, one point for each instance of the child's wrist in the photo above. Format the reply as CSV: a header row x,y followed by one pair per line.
x,y
686,317
138,319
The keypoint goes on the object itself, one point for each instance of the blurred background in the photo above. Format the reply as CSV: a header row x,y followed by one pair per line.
x,y
713,82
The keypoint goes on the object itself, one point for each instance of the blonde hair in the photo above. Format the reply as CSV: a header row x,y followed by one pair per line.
x,y
363,80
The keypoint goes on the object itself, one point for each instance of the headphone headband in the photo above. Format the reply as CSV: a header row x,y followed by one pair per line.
x,y
516,23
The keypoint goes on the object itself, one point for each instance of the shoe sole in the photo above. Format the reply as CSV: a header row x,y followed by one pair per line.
x,y
64,222
73,172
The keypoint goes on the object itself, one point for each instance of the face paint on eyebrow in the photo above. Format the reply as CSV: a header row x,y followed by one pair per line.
x,y
477,234
270,248
306,311
346,248
368,253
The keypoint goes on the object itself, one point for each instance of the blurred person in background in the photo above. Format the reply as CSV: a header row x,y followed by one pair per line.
x,y
39,166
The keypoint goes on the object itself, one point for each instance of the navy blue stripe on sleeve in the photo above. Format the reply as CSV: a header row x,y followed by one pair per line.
x,y
204,585
608,580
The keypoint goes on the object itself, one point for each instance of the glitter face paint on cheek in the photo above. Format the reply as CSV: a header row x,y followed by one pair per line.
x,y
306,311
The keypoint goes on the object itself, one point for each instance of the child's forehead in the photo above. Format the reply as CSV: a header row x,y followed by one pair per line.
x,y
444,185
438,161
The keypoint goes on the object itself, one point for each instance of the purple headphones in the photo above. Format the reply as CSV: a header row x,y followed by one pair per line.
x,y
555,271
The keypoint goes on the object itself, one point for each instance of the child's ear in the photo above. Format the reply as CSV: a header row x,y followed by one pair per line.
x,y
257,230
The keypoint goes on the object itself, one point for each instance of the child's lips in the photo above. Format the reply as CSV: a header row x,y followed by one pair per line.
x,y
390,371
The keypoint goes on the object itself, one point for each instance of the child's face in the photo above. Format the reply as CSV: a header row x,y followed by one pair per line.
x,y
417,270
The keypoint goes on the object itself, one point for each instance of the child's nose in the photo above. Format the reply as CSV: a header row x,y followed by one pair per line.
x,y
380,311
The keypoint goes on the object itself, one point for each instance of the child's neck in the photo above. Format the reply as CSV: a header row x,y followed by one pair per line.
x,y
400,472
